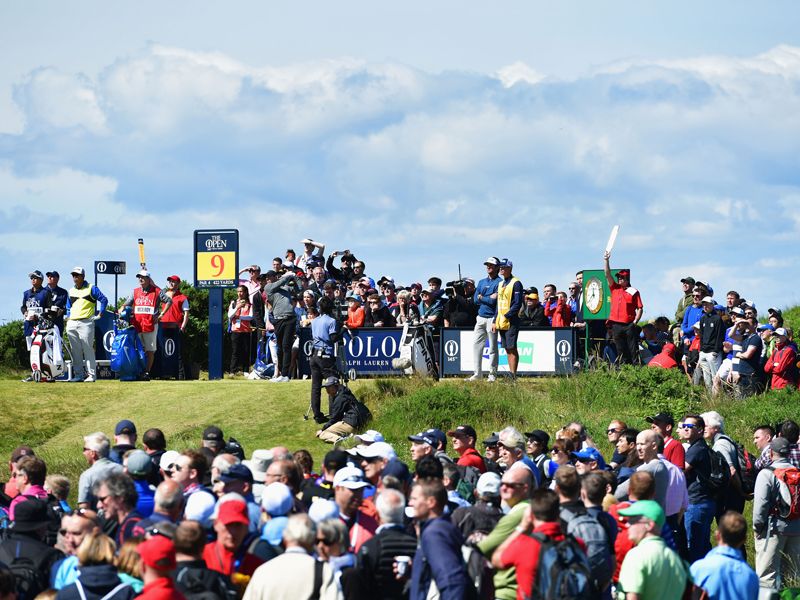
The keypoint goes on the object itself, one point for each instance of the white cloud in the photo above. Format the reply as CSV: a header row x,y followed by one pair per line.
x,y
518,72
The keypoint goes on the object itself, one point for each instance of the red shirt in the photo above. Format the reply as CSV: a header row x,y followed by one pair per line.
x,y
665,359
175,312
472,458
218,558
162,588
523,553
781,365
624,303
560,313
623,544
674,453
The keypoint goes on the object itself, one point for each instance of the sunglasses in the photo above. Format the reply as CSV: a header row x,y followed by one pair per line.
x,y
687,425
324,542
515,486
613,430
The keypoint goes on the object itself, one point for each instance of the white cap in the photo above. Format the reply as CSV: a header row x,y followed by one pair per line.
x,y
781,331
488,484
276,499
143,273
708,300
350,478
78,271
321,509
376,450
169,458
370,436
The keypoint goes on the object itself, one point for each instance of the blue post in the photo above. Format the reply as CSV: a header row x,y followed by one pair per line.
x,y
215,333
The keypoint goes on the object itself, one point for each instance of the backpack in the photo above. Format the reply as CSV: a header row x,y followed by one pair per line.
x,y
746,468
468,479
562,572
791,478
480,572
720,474
203,584
28,572
598,545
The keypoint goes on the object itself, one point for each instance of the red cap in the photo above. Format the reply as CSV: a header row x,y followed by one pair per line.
x,y
174,278
158,552
624,273
233,512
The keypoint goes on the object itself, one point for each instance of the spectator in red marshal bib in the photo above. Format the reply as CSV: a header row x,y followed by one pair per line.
x,y
145,301
782,363
464,440
626,310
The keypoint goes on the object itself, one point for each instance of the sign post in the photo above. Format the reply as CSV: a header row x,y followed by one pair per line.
x,y
216,267
110,267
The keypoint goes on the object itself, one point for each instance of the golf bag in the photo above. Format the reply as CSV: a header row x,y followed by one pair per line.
x,y
47,354
262,369
416,352
127,355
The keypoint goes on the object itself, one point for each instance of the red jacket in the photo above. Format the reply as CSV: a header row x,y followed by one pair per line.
x,y
472,458
623,543
560,313
666,359
162,588
781,365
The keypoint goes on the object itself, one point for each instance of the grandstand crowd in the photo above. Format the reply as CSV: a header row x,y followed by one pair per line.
x,y
511,514
726,345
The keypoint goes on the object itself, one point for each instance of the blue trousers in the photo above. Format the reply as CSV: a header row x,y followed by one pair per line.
x,y
697,522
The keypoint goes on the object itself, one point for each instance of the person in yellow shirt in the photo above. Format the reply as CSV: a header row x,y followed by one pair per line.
x,y
509,301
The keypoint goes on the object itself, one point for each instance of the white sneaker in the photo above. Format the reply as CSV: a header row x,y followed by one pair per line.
x,y
475,377
491,378
89,379
282,379
76,380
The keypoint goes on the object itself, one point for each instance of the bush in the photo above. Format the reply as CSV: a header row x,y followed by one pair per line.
x,y
13,350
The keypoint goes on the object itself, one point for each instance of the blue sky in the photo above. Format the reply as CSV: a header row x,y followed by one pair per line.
x,y
420,136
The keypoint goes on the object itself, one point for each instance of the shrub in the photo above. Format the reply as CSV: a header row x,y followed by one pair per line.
x,y
13,350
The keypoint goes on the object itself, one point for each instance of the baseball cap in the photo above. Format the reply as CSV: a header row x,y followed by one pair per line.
x,y
492,260
781,331
237,472
645,508
779,445
396,468
139,464
21,451
506,262
662,417
701,283
125,427
354,298
78,271
708,300
322,510
737,311
174,278
376,450
276,499
335,460
423,438
168,459
370,436
532,296
212,433
488,484
463,430
158,553
765,327
775,311
511,440
492,440
143,273
624,273
689,280
540,436
590,454
438,435
330,381
52,274
36,273
233,511
350,478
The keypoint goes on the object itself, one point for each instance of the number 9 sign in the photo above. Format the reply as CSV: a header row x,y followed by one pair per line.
x,y
216,267
216,258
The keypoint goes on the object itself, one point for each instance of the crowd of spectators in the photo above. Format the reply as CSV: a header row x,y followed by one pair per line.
x,y
504,515
723,346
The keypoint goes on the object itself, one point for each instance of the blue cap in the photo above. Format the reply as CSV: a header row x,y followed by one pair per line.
x,y
237,472
125,426
590,454
438,435
765,327
396,468
424,438
506,262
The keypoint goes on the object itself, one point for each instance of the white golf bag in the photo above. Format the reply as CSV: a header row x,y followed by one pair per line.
x,y
416,352
47,354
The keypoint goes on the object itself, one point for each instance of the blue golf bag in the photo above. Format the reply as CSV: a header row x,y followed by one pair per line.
x,y
128,359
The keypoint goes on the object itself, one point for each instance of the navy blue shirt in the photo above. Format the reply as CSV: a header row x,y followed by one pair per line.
x,y
750,366
699,457
58,297
36,301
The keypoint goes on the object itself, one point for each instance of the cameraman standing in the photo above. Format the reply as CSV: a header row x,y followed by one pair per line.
x,y
460,310
485,298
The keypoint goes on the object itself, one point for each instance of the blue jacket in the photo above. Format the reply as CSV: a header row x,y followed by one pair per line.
x,y
487,307
690,317
439,558
725,575
33,299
